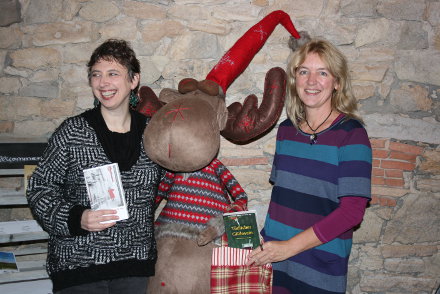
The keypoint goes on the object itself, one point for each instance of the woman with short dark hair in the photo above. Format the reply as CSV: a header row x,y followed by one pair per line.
x,y
92,251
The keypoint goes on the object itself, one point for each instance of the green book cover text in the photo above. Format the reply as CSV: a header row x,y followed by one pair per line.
x,y
242,229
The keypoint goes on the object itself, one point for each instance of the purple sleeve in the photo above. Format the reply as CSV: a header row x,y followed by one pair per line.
x,y
349,214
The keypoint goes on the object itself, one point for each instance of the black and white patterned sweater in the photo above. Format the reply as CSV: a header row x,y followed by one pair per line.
x,y
57,195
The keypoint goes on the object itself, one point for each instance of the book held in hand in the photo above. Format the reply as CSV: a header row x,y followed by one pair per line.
x,y
242,229
105,189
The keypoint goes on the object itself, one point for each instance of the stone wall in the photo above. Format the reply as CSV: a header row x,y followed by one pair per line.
x,y
394,51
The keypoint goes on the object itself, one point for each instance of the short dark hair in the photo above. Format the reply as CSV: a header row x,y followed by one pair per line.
x,y
116,50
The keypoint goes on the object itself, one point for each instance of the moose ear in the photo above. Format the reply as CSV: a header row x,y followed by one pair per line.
x,y
187,85
211,88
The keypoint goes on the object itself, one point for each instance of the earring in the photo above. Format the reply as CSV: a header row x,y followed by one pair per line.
x,y
96,102
134,99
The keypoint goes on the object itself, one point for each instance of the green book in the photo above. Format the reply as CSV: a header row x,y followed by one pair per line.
x,y
242,229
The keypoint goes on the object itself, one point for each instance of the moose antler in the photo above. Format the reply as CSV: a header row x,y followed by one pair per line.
x,y
248,121
149,104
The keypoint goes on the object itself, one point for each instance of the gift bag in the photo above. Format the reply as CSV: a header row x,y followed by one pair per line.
x,y
230,275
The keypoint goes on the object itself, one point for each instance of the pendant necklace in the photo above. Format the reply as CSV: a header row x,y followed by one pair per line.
x,y
314,136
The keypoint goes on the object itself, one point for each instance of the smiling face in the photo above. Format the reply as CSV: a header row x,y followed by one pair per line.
x,y
111,84
315,84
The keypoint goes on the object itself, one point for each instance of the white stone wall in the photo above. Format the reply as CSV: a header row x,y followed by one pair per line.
x,y
394,51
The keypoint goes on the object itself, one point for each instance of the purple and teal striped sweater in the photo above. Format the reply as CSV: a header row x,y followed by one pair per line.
x,y
308,183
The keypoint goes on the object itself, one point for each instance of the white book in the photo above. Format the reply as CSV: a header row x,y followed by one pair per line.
x,y
105,189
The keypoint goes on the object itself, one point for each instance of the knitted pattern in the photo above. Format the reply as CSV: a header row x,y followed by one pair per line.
x,y
194,199
57,186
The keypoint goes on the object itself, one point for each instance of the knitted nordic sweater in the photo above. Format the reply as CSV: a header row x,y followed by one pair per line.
x,y
57,196
193,199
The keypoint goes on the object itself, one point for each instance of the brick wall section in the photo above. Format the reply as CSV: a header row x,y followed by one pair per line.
x,y
229,161
391,160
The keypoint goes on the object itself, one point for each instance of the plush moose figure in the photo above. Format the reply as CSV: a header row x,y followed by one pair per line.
x,y
183,136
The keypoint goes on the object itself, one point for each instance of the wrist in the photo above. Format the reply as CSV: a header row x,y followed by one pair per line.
x,y
74,221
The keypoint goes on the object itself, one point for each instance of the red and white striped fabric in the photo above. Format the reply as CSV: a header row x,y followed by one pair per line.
x,y
230,275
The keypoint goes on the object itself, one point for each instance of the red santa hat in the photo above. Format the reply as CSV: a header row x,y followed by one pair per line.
x,y
236,60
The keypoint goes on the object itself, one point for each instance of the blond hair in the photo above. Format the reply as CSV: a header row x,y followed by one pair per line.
x,y
342,99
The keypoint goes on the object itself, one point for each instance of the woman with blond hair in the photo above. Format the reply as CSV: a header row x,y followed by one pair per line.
x,y
321,175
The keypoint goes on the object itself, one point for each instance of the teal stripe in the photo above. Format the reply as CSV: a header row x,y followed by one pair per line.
x,y
281,231
316,152
312,277
357,152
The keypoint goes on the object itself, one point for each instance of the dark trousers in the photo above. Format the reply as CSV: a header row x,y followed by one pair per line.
x,y
131,285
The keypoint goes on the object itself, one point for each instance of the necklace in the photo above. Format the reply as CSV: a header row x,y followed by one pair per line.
x,y
314,136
